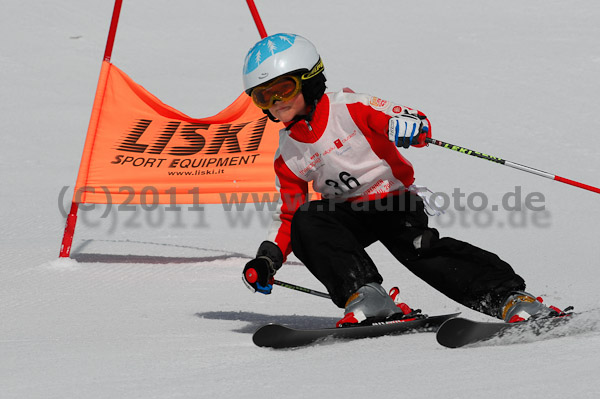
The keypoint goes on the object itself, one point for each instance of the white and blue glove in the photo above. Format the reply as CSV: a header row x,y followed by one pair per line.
x,y
406,130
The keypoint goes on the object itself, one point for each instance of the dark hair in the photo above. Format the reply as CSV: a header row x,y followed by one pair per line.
x,y
314,88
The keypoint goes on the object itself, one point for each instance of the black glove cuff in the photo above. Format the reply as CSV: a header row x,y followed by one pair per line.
x,y
271,250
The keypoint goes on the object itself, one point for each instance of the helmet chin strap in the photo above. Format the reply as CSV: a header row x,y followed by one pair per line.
x,y
270,115
308,117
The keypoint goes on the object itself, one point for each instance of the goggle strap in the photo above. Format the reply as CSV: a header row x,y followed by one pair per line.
x,y
317,69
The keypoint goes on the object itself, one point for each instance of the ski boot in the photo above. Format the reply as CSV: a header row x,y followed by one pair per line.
x,y
371,304
521,306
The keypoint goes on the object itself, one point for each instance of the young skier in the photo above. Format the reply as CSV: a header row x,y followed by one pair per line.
x,y
346,145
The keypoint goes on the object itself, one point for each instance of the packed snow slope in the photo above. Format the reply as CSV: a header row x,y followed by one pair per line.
x,y
151,305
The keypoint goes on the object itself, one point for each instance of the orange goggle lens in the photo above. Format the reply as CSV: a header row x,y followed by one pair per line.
x,y
281,89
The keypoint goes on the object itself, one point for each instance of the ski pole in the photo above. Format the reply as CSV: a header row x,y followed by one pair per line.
x,y
515,165
301,289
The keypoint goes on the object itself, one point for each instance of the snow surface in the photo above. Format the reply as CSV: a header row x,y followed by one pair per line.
x,y
152,305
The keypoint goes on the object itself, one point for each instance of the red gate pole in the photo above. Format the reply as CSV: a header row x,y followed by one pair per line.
x,y
259,25
112,30
67,241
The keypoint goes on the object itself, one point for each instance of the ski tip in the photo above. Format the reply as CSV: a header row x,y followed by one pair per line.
x,y
266,336
452,332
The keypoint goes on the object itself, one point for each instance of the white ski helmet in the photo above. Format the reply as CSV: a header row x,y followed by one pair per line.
x,y
278,55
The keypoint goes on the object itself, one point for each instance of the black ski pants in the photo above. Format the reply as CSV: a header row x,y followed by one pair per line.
x,y
330,238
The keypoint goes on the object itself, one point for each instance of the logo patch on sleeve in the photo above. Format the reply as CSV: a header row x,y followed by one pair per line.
x,y
378,103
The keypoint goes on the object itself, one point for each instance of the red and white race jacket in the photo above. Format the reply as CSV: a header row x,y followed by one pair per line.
x,y
344,151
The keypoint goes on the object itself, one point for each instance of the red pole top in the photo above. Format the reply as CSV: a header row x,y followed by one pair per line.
x,y
259,25
113,30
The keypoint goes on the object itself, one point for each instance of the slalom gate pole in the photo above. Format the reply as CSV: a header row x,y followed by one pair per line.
x,y
259,25
301,289
110,41
514,165
67,241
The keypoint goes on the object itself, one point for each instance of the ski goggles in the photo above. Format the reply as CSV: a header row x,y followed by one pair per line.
x,y
282,88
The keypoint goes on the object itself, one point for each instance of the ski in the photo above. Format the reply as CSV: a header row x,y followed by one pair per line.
x,y
279,336
459,332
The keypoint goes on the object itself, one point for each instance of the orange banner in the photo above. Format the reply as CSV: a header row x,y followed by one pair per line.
x,y
141,151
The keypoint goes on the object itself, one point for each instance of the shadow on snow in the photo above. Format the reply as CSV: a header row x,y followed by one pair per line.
x,y
256,320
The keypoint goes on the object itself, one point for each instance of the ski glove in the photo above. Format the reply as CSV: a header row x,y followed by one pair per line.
x,y
258,273
406,130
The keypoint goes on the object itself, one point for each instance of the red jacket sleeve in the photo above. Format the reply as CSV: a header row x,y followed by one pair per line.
x,y
376,117
293,191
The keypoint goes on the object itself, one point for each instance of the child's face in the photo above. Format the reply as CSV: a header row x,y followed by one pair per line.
x,y
286,111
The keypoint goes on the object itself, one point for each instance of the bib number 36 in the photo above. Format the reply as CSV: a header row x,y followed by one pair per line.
x,y
344,179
